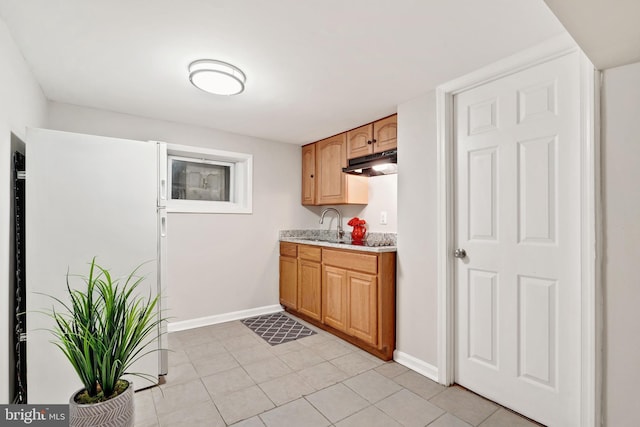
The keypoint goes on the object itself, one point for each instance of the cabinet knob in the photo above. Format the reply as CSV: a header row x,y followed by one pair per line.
x,y
311,176
374,141
369,142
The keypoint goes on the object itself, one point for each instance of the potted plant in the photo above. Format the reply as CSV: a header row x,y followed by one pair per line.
x,y
102,331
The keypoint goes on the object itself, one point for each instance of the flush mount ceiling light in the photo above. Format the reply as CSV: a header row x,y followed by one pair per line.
x,y
216,77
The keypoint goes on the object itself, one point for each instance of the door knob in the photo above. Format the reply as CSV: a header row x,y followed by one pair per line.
x,y
460,253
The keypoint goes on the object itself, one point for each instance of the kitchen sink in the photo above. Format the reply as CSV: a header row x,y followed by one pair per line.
x,y
327,240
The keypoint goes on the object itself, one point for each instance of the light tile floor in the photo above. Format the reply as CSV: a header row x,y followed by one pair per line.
x,y
225,375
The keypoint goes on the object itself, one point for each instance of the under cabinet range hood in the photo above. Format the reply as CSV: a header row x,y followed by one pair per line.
x,y
384,163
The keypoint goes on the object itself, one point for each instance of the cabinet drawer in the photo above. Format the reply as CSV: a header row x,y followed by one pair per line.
x,y
310,253
288,249
351,261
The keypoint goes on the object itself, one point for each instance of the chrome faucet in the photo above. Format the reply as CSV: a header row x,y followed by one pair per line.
x,y
340,230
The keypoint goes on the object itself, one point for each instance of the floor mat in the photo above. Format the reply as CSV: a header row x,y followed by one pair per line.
x,y
277,328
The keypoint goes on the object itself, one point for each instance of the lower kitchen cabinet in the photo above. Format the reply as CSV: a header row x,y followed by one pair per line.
x,y
288,275
334,298
349,303
348,293
362,307
309,288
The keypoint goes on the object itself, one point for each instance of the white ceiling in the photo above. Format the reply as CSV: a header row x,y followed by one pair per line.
x,y
607,30
314,67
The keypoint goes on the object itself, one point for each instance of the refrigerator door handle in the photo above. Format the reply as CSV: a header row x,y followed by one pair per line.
x,y
163,189
163,225
162,173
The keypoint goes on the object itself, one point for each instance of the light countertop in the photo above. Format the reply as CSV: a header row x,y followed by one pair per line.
x,y
333,244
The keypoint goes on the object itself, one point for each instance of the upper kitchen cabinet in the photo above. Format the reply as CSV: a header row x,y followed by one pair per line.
x,y
330,159
324,179
309,174
385,134
359,141
376,137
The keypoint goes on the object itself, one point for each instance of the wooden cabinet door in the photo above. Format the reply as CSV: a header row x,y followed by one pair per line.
x,y
289,282
362,310
334,298
359,141
310,288
331,157
385,134
309,174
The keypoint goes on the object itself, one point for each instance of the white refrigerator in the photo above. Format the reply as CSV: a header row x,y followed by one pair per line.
x,y
87,196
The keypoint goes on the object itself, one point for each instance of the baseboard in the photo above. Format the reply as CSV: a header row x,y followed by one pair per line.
x,y
221,318
415,364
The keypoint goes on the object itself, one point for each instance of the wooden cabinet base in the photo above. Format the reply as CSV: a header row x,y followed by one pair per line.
x,y
348,293
385,352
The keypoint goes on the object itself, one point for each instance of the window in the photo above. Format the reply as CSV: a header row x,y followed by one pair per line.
x,y
206,181
192,179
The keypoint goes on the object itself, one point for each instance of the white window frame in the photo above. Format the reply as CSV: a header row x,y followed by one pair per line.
x,y
240,187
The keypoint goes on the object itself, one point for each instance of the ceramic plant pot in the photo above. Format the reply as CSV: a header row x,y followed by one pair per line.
x,y
116,412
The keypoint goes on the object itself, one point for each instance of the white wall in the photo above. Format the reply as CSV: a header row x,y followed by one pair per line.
x,y
383,197
621,198
416,312
383,191
22,104
218,263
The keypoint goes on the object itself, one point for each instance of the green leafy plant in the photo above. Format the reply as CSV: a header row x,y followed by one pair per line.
x,y
104,329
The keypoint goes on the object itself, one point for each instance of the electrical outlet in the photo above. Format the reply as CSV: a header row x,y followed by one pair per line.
x,y
383,218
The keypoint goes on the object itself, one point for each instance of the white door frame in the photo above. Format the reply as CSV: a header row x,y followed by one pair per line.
x,y
591,302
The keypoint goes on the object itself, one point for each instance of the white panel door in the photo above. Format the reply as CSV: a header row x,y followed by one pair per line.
x,y
86,196
518,219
